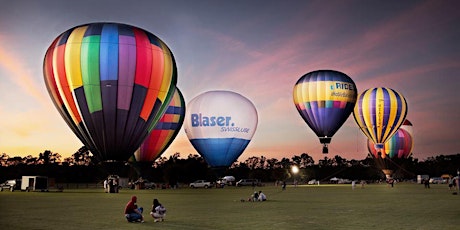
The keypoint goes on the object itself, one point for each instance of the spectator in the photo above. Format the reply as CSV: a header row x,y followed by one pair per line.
x,y
132,212
158,211
262,196
106,185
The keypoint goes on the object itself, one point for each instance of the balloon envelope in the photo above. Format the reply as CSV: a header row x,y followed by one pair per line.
x,y
325,100
379,112
111,83
398,146
407,125
165,130
220,124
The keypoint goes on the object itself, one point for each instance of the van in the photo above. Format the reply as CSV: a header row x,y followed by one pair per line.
x,y
226,180
11,185
248,182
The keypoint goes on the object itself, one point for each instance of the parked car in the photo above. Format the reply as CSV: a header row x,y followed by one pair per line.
x,y
310,182
149,184
437,180
200,184
248,182
11,185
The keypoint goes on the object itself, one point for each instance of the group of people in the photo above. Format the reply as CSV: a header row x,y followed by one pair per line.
x,y
133,213
257,196
111,185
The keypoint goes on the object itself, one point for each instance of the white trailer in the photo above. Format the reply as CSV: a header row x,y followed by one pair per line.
x,y
34,183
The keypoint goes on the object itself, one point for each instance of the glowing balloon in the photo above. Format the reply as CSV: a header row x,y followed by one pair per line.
x,y
398,146
325,100
165,130
379,113
111,83
220,124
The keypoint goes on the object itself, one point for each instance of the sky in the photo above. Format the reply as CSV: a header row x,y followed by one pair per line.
x,y
258,49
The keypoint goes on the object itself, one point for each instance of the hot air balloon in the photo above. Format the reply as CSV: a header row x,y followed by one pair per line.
x,y
379,113
399,146
220,125
111,83
164,132
325,100
407,125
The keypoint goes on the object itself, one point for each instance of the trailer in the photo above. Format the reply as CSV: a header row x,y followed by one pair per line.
x,y
34,183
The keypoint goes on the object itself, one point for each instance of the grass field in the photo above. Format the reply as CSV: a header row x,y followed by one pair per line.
x,y
377,206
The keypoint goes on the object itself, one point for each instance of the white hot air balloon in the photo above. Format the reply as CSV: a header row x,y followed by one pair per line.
x,y
220,124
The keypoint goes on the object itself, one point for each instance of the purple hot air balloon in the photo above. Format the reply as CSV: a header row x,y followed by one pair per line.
x,y
325,100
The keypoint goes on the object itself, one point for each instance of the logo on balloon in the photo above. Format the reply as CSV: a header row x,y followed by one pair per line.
x,y
224,122
200,120
343,89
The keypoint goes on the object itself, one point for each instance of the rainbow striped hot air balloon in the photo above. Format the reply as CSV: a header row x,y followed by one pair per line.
x,y
325,100
398,146
379,113
164,132
111,83
395,149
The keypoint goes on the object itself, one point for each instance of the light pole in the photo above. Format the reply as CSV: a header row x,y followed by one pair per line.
x,y
295,170
458,180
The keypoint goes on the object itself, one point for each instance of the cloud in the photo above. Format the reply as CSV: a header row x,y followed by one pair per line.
x,y
20,74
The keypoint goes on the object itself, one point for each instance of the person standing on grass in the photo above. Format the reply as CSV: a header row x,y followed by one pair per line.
x,y
132,212
106,184
158,211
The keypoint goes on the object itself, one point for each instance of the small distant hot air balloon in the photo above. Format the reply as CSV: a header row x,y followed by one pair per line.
x,y
325,100
379,113
220,125
407,125
164,132
399,146
111,83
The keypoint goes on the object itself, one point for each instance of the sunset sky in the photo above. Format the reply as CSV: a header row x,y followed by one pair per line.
x,y
258,49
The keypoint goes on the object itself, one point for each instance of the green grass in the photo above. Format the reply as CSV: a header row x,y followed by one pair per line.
x,y
377,206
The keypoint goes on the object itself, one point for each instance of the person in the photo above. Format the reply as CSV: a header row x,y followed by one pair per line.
x,y
110,186
115,185
132,212
255,196
262,196
427,183
106,184
391,182
158,211
284,185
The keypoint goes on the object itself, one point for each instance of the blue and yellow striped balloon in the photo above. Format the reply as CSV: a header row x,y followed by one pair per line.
x,y
379,112
325,100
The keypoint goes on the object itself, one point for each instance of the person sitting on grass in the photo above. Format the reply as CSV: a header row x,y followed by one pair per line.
x,y
158,211
262,196
132,212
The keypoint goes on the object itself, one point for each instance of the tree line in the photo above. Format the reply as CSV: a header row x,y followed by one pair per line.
x,y
83,167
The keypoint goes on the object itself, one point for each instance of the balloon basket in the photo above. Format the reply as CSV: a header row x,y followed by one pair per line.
x,y
387,173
